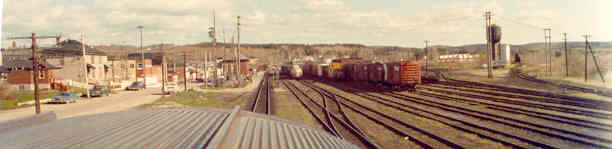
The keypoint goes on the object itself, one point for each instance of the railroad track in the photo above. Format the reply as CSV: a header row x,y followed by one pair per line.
x,y
525,76
501,93
479,85
419,136
329,121
263,99
526,103
492,125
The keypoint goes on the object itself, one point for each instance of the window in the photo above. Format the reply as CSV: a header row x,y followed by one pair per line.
x,y
62,62
132,66
139,66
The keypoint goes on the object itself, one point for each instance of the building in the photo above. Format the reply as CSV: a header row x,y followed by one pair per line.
x,y
229,67
69,56
18,73
122,70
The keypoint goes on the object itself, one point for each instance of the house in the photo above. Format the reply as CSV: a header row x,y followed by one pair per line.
x,y
123,70
69,56
229,67
18,73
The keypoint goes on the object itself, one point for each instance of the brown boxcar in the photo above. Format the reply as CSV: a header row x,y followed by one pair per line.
x,y
325,71
350,71
362,72
338,67
375,72
392,71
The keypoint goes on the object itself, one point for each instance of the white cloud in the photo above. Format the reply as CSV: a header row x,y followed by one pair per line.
x,y
112,21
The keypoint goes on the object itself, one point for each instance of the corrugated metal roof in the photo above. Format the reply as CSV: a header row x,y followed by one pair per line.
x,y
172,128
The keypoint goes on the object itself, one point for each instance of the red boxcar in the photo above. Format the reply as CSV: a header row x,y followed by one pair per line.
x,y
375,72
362,72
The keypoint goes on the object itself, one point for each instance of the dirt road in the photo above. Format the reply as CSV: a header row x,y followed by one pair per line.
x,y
116,102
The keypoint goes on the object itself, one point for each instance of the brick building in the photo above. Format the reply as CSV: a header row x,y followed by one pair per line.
x,y
229,67
19,74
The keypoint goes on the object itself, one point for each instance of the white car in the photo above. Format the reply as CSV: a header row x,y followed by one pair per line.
x,y
172,88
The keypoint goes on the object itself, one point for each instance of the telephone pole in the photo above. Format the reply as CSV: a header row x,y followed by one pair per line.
x,y
206,69
586,45
164,70
142,57
238,48
185,69
426,56
212,34
566,60
548,51
85,64
489,43
35,65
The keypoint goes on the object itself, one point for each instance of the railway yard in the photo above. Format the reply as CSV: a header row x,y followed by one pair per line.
x,y
447,113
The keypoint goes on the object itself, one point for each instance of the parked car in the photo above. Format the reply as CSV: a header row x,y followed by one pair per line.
x,y
136,86
99,90
64,98
172,88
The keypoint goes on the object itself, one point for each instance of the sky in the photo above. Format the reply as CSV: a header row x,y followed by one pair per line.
x,y
370,22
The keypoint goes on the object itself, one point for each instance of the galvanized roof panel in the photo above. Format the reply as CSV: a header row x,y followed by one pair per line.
x,y
172,128
263,132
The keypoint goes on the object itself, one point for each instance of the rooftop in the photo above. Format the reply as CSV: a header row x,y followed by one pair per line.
x,y
169,128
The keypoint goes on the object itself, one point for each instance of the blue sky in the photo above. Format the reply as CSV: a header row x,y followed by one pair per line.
x,y
381,22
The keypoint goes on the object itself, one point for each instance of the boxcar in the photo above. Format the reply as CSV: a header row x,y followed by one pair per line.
x,y
375,72
362,72
410,72
338,67
325,72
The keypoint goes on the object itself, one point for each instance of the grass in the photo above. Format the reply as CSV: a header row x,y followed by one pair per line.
x,y
23,96
196,99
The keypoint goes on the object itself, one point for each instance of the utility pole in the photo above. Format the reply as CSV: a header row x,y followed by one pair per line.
x,y
142,57
489,43
426,56
164,68
548,51
224,43
35,65
586,45
566,60
185,69
212,34
206,69
85,64
595,61
238,49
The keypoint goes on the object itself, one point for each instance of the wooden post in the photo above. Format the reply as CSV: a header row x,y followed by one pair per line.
x,y
35,76
85,63
185,69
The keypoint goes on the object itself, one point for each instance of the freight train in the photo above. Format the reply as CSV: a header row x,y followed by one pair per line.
x,y
393,74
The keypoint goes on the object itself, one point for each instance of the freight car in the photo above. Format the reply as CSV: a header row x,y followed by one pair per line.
x,y
393,74
338,71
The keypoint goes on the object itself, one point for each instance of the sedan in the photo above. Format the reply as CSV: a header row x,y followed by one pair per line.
x,y
64,98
